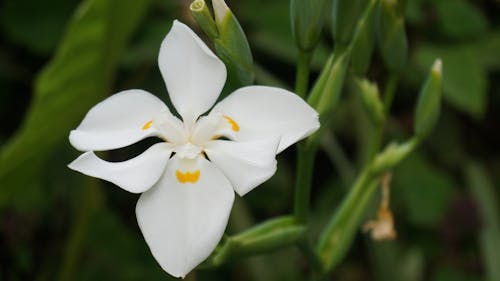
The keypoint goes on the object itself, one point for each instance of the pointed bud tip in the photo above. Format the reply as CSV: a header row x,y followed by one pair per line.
x,y
220,9
437,67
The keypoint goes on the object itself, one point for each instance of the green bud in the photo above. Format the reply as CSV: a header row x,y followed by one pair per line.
x,y
265,237
230,42
325,96
327,90
392,155
391,33
345,15
204,18
279,230
363,41
232,46
307,19
371,100
429,102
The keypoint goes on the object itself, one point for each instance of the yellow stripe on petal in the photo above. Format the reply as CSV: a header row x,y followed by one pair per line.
x,y
187,177
234,126
147,125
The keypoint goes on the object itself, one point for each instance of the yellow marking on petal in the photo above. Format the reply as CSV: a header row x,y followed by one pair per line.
x,y
147,125
234,126
187,177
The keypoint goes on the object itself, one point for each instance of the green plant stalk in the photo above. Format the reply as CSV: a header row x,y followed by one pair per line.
x,y
302,76
305,155
339,233
90,200
303,182
310,256
389,93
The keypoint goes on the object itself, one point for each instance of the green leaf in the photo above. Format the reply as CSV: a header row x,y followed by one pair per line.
x,y
423,191
460,19
80,74
485,196
38,27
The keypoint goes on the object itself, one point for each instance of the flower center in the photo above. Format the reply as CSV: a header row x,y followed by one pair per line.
x,y
188,150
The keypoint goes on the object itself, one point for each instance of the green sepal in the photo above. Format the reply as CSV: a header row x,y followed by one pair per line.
x,y
391,34
370,97
429,102
307,20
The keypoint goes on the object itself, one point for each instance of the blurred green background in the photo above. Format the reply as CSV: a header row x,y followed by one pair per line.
x,y
60,57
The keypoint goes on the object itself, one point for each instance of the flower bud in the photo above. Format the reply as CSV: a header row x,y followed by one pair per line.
x,y
230,42
345,15
363,41
371,100
204,18
429,102
392,155
325,94
232,46
307,19
391,33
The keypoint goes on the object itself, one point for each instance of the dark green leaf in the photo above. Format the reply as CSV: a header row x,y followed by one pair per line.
x,y
79,76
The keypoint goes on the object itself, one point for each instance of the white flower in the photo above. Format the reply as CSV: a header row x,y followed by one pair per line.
x,y
188,180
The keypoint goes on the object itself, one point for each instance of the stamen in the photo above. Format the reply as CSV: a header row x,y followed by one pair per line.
x,y
234,126
147,125
187,177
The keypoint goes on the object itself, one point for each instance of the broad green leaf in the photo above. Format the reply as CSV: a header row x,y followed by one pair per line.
x,y
460,19
465,82
80,74
269,31
423,191
485,195
36,25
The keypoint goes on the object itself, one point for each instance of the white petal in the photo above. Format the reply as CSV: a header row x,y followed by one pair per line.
x,y
261,111
245,164
193,74
183,222
117,121
135,175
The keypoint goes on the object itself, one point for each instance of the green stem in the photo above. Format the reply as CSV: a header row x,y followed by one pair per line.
x,y
302,76
389,93
90,200
305,156
303,182
310,256
339,233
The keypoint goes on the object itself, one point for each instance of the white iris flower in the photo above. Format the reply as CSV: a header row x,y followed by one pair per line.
x,y
187,181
